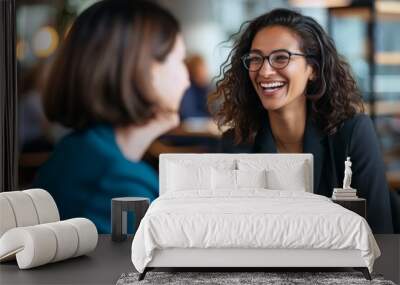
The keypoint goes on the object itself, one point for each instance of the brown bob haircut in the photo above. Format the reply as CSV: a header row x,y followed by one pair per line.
x,y
102,70
333,96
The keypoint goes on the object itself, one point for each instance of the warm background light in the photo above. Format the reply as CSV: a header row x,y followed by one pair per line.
x,y
21,49
389,7
45,41
320,3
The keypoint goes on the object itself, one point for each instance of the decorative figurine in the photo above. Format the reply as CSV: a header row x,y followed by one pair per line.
x,y
347,192
347,174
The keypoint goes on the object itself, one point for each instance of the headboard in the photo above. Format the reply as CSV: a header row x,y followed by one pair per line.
x,y
284,162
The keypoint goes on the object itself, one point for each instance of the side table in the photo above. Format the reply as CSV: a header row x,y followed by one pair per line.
x,y
119,209
358,205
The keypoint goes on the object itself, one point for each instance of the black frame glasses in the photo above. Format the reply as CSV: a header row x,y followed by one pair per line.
x,y
278,59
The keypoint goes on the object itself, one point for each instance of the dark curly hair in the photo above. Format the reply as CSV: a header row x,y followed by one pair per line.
x,y
333,95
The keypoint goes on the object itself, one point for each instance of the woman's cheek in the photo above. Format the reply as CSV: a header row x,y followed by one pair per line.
x,y
170,82
185,79
180,83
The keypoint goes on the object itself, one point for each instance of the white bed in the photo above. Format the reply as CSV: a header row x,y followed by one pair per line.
x,y
247,210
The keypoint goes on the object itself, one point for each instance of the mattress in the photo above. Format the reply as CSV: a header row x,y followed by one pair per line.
x,y
252,219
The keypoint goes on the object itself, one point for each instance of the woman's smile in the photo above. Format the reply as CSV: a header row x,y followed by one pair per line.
x,y
272,88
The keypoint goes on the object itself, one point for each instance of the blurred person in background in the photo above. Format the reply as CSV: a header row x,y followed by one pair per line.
x,y
117,81
194,102
285,89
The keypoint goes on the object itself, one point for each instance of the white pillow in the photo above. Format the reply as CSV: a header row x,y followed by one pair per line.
x,y
280,180
235,179
181,177
251,178
223,179
282,174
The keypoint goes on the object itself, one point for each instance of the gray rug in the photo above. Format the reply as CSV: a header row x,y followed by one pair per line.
x,y
229,278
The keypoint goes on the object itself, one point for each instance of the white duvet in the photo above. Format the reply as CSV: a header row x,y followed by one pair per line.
x,y
253,218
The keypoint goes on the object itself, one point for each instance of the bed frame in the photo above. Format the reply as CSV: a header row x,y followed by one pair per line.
x,y
248,259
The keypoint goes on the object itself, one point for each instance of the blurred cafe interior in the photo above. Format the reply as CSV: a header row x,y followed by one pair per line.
x,y
365,32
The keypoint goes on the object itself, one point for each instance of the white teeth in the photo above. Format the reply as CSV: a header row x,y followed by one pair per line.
x,y
272,84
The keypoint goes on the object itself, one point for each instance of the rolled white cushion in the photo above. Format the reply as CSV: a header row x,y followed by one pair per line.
x,y
67,240
87,235
23,208
26,208
7,218
45,205
41,244
33,246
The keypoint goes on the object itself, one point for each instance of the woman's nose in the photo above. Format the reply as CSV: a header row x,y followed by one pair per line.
x,y
266,68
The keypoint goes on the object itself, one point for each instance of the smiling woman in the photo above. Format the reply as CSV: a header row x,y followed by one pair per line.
x,y
285,88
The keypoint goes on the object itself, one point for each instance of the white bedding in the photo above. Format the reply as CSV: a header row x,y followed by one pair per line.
x,y
251,218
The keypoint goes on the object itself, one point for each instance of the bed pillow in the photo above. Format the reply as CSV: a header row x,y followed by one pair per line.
x,y
183,178
279,180
226,179
285,174
251,178
223,179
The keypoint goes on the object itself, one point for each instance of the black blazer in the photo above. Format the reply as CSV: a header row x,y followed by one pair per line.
x,y
355,138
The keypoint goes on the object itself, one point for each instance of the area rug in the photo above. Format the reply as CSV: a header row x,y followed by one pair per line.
x,y
243,278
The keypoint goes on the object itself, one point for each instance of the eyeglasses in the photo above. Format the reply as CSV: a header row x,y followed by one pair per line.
x,y
278,59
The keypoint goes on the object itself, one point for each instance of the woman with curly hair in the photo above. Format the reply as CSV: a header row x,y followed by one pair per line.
x,y
284,88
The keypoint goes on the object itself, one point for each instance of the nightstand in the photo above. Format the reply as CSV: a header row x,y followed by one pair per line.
x,y
358,206
119,209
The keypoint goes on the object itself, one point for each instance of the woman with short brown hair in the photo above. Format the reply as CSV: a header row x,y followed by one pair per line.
x,y
117,81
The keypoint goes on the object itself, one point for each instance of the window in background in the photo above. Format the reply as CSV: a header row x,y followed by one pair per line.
x,y
387,88
365,33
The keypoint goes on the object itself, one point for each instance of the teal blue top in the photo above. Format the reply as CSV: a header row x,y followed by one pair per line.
x,y
87,169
